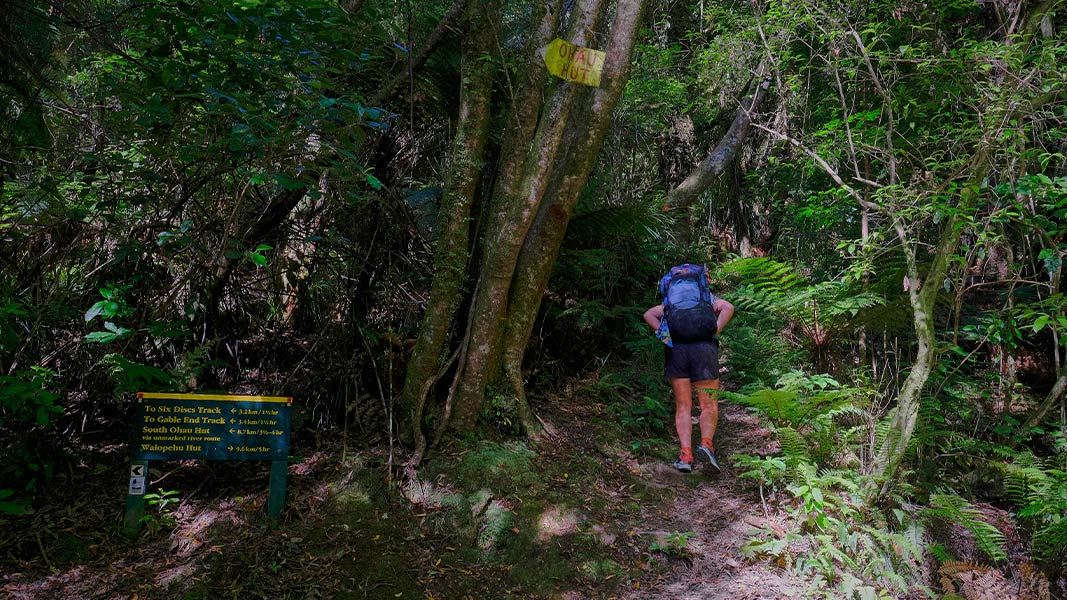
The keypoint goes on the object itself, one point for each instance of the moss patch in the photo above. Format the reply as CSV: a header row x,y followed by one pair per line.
x,y
500,467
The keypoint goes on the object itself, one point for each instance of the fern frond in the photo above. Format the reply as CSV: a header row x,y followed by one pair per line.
x,y
794,448
951,568
762,273
941,553
1051,540
839,478
608,223
1022,482
957,510
847,414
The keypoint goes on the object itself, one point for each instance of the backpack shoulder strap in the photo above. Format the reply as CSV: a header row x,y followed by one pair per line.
x,y
705,285
664,286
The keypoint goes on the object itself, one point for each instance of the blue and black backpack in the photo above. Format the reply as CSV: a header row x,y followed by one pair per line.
x,y
687,304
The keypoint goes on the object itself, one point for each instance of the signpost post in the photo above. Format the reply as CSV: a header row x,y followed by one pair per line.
x,y
208,427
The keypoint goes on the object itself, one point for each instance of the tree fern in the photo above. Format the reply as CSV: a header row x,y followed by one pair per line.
x,y
820,311
609,223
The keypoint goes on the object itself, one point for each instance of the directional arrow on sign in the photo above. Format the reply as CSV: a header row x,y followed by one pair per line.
x,y
232,431
136,470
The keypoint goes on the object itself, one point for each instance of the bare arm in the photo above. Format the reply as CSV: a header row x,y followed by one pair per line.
x,y
724,310
653,316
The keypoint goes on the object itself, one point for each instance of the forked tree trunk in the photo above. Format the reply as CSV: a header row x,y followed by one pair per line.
x,y
536,139
514,216
561,153
453,244
542,246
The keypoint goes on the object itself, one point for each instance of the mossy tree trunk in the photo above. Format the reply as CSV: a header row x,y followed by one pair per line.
x,y
542,245
553,134
515,214
453,245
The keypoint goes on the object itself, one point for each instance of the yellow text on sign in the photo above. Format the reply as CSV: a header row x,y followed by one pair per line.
x,y
574,63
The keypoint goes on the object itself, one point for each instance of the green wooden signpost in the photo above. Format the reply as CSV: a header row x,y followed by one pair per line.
x,y
208,427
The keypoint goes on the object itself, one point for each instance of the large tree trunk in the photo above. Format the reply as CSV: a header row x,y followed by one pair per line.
x,y
453,244
541,247
515,216
557,155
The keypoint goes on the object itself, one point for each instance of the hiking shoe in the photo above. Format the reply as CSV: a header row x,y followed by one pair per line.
x,y
707,456
683,466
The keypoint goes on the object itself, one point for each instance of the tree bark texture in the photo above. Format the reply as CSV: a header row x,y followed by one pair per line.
x,y
515,216
542,246
553,133
453,245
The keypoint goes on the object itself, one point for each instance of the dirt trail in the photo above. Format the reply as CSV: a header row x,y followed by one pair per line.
x,y
719,510
580,517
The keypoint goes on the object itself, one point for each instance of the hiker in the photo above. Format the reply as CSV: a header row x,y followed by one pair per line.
x,y
687,322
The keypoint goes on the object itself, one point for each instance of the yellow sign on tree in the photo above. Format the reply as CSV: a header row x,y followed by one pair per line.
x,y
574,63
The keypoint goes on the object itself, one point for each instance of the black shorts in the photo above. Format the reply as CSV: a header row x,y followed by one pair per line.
x,y
697,361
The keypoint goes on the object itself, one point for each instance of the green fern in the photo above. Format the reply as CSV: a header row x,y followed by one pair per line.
x,y
793,408
794,448
1050,541
822,312
609,223
954,509
941,553
1041,493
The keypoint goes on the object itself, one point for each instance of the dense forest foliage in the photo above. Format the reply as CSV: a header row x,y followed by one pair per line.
x,y
393,213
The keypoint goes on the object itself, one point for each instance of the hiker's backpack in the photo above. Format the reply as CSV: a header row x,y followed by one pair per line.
x,y
687,304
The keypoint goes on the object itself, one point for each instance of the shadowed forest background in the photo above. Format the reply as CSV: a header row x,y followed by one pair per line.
x,y
393,213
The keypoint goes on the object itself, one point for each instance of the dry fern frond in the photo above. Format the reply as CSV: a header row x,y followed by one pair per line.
x,y
990,585
1035,585
951,568
979,582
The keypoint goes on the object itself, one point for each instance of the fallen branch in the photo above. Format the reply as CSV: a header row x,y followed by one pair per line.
x,y
724,152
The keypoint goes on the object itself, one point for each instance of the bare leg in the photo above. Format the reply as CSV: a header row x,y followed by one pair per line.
x,y
709,410
683,415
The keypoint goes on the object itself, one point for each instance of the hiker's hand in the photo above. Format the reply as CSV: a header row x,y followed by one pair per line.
x,y
724,311
653,316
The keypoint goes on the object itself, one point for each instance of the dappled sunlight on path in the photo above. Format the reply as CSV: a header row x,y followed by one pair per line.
x,y
714,514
